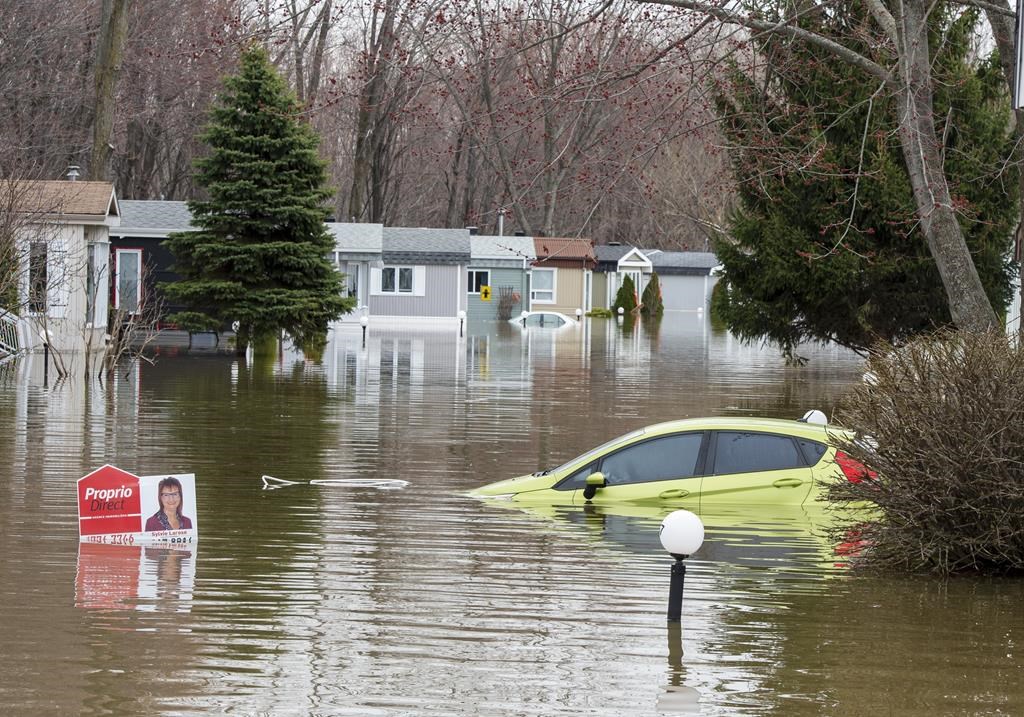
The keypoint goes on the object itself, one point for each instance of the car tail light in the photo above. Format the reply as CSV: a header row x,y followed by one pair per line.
x,y
854,470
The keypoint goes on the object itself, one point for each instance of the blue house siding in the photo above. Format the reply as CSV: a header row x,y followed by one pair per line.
x,y
513,279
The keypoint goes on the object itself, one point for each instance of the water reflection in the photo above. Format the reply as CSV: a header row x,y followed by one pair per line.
x,y
116,577
354,601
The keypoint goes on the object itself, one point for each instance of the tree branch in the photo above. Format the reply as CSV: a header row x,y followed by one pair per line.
x,y
787,30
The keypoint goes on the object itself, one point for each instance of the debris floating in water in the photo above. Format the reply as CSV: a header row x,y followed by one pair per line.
x,y
272,483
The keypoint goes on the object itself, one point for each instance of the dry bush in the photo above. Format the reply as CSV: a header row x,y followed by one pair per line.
x,y
942,424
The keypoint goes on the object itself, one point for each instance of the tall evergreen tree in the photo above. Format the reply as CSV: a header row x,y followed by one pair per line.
x,y
825,244
259,255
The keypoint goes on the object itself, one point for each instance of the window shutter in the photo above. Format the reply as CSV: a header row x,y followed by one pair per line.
x,y
374,281
419,281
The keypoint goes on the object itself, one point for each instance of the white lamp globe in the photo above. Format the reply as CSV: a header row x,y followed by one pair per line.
x,y
579,314
621,311
682,533
462,314
363,321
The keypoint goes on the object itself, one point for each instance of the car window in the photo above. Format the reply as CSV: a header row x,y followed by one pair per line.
x,y
738,452
662,458
812,450
578,479
544,320
594,452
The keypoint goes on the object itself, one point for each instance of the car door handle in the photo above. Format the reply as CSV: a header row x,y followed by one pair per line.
x,y
788,483
674,493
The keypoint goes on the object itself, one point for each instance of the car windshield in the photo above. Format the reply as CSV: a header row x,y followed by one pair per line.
x,y
594,452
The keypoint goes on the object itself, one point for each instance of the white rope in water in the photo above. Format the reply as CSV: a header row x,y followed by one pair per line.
x,y
272,483
381,483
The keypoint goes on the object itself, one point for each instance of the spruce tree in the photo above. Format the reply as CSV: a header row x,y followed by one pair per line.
x,y
651,304
259,256
825,244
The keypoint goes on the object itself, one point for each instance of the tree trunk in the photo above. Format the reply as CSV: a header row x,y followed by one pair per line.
x,y
1004,32
968,304
109,53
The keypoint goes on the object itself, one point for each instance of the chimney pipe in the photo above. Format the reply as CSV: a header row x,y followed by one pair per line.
x,y
73,173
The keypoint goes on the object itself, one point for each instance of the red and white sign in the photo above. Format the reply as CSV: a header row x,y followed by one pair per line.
x,y
116,507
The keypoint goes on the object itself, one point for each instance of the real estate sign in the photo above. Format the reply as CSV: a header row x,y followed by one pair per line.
x,y
116,507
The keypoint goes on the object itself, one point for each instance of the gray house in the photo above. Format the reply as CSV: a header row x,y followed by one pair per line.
x,y
686,278
497,281
422,274
358,248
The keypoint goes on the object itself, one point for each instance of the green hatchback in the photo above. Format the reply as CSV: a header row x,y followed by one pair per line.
x,y
695,462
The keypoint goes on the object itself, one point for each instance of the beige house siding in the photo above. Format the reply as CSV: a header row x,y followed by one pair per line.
x,y
568,293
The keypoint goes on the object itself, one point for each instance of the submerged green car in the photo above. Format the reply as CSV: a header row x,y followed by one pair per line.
x,y
695,462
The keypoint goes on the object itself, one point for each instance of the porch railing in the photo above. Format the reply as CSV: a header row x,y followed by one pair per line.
x,y
10,341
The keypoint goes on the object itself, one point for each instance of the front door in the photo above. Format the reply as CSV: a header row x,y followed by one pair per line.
x,y
661,469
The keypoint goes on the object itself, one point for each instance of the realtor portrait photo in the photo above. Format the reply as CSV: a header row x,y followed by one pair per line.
x,y
169,516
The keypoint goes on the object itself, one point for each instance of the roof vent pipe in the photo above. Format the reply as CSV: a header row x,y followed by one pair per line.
x,y
73,172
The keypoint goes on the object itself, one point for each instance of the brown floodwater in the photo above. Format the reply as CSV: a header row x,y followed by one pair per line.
x,y
329,600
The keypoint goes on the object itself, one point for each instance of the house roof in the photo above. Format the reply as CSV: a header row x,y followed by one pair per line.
x,y
682,262
502,247
430,246
153,218
354,238
564,252
85,201
611,252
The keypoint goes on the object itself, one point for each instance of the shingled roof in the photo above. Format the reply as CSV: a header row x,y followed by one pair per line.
x,y
404,245
145,217
560,252
682,262
87,202
351,238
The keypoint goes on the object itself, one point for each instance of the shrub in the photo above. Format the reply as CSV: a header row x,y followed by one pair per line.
x,y
651,304
626,296
942,424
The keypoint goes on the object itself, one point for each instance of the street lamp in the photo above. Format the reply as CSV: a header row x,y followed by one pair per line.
x,y
363,321
682,534
462,320
579,314
523,316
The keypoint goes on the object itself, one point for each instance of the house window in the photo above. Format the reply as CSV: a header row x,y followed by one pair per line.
x,y
478,278
37,278
128,286
396,280
542,286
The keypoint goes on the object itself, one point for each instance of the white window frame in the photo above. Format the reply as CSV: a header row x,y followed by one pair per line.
x,y
398,291
471,273
118,253
553,290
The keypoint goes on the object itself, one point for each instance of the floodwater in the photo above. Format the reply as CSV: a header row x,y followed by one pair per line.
x,y
327,600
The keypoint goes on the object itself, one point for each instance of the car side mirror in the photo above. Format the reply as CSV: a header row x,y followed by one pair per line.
x,y
594,482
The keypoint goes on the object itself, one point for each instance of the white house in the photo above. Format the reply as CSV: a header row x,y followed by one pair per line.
x,y
61,261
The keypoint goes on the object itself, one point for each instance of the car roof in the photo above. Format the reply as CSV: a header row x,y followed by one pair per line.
x,y
744,423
